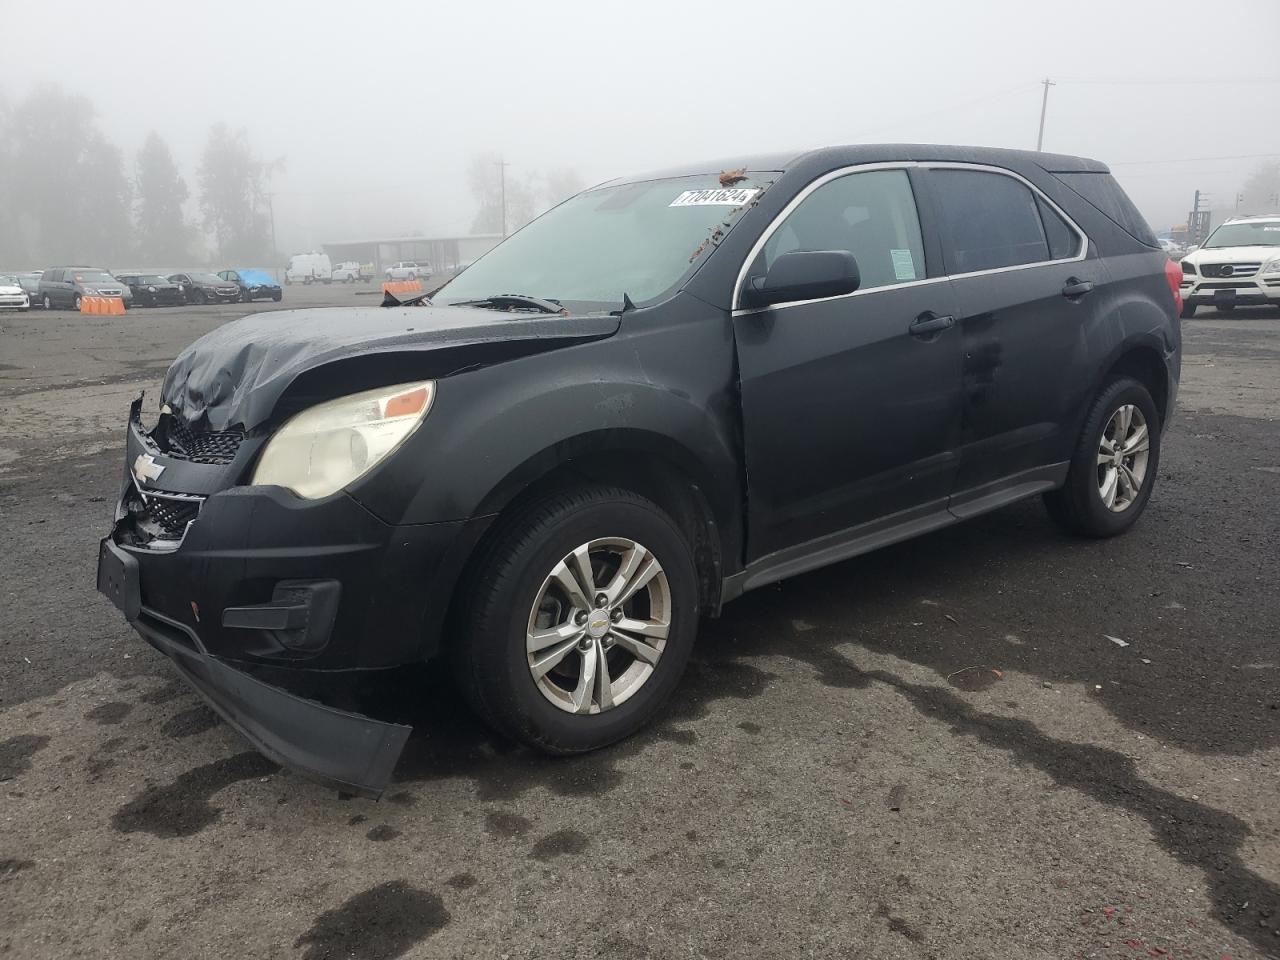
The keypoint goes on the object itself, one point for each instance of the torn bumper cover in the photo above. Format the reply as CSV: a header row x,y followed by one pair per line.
x,y
345,750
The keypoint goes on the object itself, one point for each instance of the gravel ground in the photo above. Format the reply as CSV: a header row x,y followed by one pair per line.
x,y
932,751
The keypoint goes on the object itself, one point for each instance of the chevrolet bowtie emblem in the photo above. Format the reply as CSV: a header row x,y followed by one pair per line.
x,y
145,468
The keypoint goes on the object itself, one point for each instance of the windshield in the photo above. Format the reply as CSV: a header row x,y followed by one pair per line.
x,y
1264,233
93,276
638,239
9,278
205,278
151,278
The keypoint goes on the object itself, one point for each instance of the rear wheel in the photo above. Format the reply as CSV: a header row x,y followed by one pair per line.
x,y
1188,311
1114,466
578,620
48,303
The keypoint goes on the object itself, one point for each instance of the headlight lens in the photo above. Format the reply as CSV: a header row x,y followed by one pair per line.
x,y
1273,266
325,448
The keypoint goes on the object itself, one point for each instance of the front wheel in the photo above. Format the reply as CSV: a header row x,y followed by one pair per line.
x,y
77,302
1114,467
577,620
48,303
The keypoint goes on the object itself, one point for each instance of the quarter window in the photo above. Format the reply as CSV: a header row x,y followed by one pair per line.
x,y
991,221
871,214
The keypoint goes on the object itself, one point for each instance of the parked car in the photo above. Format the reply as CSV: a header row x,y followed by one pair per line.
x,y
63,287
349,272
665,392
1238,266
12,296
153,290
206,288
253,284
30,283
408,270
309,268
1172,248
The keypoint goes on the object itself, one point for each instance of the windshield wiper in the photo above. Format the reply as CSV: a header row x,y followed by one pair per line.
x,y
513,301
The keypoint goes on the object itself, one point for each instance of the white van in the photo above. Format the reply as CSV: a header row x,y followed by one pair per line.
x,y
309,268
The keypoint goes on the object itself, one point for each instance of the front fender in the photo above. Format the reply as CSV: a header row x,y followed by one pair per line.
x,y
665,390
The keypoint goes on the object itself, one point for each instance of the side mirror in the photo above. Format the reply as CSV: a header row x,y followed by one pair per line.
x,y
804,275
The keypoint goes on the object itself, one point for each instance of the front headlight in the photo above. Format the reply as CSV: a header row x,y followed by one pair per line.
x,y
1272,267
331,445
90,291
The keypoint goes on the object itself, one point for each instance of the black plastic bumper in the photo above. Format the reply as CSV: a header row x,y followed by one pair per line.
x,y
355,754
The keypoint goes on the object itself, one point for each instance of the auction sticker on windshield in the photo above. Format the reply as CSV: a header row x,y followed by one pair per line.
x,y
735,197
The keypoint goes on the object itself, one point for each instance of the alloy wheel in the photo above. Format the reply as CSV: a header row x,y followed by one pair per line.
x,y
599,625
1122,458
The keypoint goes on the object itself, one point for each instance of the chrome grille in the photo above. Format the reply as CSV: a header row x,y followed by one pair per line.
x,y
1229,269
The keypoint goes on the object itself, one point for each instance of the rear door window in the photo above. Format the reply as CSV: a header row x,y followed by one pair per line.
x,y
988,221
870,214
1064,242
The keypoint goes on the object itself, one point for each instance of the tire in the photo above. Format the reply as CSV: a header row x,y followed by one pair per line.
x,y
510,592
48,302
245,297
1081,506
413,276
277,296
199,297
1188,311
76,303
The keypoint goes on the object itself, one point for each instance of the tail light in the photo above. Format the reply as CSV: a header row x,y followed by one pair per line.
x,y
1173,273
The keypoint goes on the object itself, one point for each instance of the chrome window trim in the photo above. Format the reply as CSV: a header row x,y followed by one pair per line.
x,y
899,165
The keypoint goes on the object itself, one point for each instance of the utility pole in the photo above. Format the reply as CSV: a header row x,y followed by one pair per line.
x,y
502,168
1044,105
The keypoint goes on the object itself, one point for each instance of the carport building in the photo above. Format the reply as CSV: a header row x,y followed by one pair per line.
x,y
445,254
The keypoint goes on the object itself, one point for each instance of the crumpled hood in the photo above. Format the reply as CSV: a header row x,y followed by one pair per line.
x,y
235,375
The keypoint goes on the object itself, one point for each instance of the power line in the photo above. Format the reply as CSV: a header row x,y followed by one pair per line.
x,y
1166,83
1238,156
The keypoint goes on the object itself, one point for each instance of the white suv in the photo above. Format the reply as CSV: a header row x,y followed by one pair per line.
x,y
408,270
1239,265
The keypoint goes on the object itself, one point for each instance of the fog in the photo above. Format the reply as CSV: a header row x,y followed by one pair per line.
x,y
372,115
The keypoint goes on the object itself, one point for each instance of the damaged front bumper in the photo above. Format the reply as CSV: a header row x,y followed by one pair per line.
x,y
353,753
236,582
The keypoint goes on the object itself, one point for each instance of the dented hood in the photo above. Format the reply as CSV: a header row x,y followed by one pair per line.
x,y
235,375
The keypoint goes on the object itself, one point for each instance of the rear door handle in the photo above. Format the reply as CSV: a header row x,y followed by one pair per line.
x,y
1076,288
930,323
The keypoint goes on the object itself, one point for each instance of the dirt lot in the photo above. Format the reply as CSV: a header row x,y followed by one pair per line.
x,y
932,751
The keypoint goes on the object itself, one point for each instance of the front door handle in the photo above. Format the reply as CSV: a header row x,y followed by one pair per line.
x,y
929,323
1076,288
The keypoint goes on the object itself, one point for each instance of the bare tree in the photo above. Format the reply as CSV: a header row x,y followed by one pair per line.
x,y
485,178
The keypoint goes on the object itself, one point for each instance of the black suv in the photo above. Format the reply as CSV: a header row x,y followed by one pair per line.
x,y
666,391
153,290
